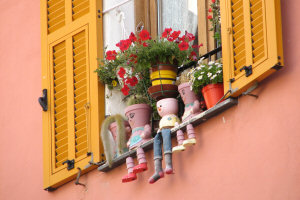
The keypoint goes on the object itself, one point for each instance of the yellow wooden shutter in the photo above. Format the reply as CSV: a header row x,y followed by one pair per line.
x,y
251,40
71,44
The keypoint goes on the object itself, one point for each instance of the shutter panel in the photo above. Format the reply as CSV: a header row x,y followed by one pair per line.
x,y
71,30
80,76
60,117
251,36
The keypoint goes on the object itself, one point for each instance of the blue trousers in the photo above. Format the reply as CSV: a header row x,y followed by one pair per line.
x,y
162,137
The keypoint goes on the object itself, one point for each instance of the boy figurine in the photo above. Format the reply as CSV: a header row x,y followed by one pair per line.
x,y
167,109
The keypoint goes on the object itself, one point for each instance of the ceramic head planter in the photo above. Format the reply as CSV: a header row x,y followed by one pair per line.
x,y
167,109
139,119
192,108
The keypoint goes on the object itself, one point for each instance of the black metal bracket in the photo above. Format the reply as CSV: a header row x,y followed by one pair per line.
x,y
250,89
43,100
70,164
248,70
78,176
277,67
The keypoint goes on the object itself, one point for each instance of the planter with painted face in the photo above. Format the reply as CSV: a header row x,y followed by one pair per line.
x,y
167,109
191,109
139,119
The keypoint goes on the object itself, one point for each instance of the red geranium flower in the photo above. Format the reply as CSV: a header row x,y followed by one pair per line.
x,y
209,17
209,10
213,1
124,44
145,44
125,90
132,81
189,36
121,72
175,35
144,35
111,55
132,37
193,56
171,39
197,46
166,32
183,46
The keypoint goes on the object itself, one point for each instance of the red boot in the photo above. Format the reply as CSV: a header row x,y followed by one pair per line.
x,y
129,177
142,166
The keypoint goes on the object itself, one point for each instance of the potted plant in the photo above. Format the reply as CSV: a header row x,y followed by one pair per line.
x,y
163,55
209,79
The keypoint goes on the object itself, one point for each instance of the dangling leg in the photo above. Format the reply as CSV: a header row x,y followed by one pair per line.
x,y
166,134
157,159
180,139
191,136
142,166
130,176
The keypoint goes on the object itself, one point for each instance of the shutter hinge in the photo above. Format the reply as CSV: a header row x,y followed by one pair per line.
x,y
70,164
248,70
43,100
277,67
99,13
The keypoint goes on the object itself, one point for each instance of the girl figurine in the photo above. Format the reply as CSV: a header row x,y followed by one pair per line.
x,y
167,109
192,108
139,118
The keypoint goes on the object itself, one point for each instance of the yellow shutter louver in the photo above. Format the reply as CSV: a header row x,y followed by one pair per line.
x,y
251,42
71,45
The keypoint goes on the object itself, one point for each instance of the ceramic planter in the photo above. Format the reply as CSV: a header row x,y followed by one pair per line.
x,y
190,99
212,93
138,115
163,74
159,92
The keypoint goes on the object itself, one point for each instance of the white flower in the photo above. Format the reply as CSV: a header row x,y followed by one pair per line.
x,y
214,76
198,68
209,74
210,67
211,63
201,60
200,77
219,66
202,66
220,71
201,72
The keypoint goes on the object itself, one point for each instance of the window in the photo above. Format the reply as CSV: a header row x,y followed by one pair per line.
x,y
71,41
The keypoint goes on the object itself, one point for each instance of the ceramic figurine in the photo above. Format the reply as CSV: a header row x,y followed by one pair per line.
x,y
192,108
167,109
139,119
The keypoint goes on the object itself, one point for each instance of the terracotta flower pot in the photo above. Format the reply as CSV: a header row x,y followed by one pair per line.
x,y
159,92
212,93
163,74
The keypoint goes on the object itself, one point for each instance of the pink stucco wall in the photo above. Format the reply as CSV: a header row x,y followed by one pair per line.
x,y
251,151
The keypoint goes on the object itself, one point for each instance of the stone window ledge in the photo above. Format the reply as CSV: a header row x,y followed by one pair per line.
x,y
196,120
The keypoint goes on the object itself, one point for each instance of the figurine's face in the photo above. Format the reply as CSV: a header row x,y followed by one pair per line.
x,y
138,116
187,95
167,106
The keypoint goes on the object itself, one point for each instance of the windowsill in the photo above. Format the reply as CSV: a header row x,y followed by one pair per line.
x,y
202,117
